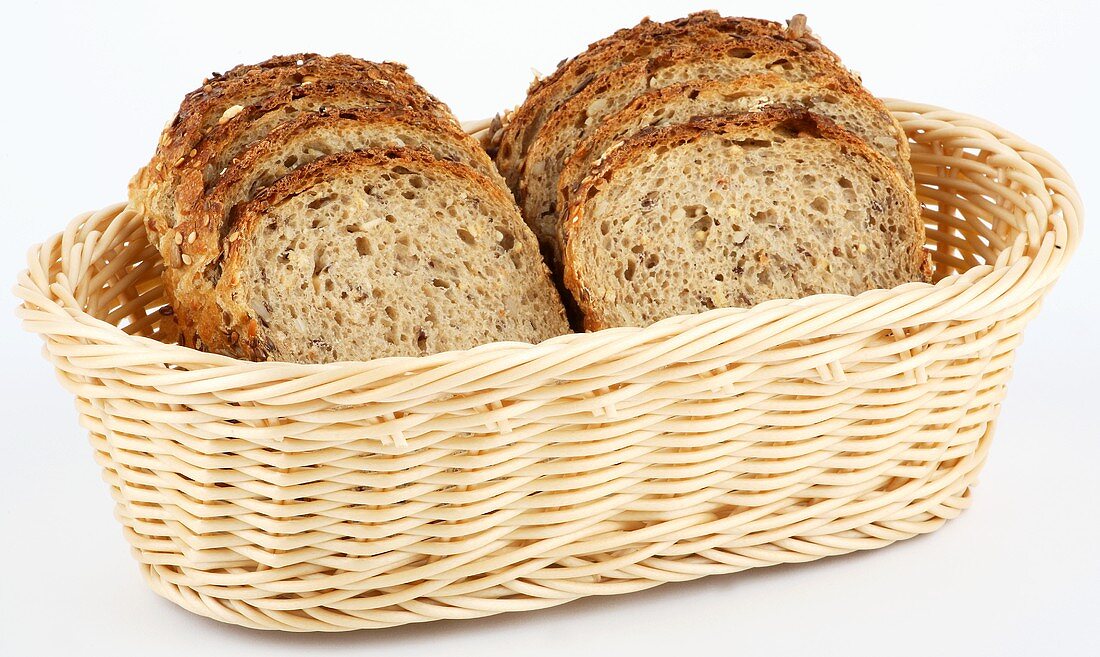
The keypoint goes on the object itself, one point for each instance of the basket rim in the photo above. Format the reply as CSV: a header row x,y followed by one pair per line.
x,y
1022,270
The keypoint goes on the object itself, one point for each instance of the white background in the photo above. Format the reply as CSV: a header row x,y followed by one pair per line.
x,y
85,92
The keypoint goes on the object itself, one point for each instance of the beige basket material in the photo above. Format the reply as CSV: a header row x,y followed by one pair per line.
x,y
514,476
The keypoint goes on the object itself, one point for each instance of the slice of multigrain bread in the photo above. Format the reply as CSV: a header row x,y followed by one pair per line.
x,y
370,254
193,251
222,99
838,99
730,211
582,114
644,41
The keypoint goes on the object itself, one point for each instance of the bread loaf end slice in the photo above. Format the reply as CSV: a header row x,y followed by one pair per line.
x,y
730,211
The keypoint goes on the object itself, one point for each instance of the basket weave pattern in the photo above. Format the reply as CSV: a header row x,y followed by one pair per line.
x,y
512,476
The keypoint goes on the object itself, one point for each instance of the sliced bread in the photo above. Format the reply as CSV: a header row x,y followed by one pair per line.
x,y
226,142
730,211
223,98
370,254
584,112
838,99
644,41
192,250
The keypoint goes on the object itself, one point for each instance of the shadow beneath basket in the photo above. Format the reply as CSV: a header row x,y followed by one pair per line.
x,y
443,629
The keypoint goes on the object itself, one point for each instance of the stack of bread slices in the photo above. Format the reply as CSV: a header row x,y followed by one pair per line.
x,y
317,209
711,162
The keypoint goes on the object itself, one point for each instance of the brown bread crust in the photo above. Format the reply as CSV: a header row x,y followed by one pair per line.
x,y
646,140
644,40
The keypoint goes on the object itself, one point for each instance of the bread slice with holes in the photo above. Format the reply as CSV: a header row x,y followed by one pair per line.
x,y
730,211
644,41
578,117
839,99
229,100
368,254
193,247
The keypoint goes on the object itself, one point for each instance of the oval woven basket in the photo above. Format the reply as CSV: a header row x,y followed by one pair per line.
x,y
516,476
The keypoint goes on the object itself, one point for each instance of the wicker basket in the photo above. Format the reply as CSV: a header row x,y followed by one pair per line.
x,y
515,476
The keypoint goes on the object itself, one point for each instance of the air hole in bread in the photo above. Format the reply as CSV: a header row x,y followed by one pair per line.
x,y
764,217
628,274
820,204
362,245
321,202
466,236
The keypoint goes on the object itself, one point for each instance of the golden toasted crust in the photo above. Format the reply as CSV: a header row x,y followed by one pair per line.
x,y
619,126
644,141
226,326
647,39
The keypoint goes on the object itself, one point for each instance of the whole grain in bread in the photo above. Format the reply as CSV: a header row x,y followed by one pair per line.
x,y
730,211
370,254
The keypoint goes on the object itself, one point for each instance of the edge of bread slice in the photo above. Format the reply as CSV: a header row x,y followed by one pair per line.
x,y
223,98
192,248
584,112
730,211
643,41
369,254
841,100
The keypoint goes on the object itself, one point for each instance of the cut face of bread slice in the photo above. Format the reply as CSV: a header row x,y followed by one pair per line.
x,y
584,112
730,211
197,239
226,102
378,253
841,100
644,41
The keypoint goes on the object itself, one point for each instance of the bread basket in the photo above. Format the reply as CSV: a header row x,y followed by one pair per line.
x,y
513,476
